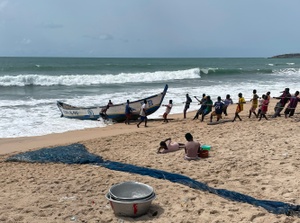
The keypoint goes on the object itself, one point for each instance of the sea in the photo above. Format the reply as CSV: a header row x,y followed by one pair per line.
x,y
31,86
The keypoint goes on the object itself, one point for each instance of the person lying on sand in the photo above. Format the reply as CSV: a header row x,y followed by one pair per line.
x,y
167,146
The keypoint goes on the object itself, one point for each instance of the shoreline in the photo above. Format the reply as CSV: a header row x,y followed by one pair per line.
x,y
10,145
258,159
21,144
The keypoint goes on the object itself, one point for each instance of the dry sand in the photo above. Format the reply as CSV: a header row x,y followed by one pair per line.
x,y
260,159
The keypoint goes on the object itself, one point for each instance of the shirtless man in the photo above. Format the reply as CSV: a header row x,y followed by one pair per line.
x,y
191,148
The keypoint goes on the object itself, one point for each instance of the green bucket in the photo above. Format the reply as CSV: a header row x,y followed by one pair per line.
x,y
205,147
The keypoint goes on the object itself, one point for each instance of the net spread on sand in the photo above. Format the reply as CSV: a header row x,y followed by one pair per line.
x,y
78,154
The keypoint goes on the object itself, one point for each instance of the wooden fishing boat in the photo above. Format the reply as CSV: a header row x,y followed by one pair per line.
x,y
115,112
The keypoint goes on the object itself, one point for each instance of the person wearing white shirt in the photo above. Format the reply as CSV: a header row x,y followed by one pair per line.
x,y
143,114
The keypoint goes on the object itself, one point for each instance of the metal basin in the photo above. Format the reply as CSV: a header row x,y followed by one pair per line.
x,y
130,208
130,190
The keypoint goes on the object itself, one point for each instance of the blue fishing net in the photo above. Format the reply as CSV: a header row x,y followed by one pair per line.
x,y
71,154
77,154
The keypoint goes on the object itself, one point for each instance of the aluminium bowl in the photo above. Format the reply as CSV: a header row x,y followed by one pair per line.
x,y
130,190
132,208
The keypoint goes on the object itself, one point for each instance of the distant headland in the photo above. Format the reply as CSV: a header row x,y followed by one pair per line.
x,y
289,55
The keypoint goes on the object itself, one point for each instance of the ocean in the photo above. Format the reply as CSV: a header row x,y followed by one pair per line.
x,y
31,86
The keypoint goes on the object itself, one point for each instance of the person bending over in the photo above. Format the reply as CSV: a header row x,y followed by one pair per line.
x,y
168,110
290,109
209,104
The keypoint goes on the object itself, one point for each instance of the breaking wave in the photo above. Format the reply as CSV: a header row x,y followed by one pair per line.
x,y
95,79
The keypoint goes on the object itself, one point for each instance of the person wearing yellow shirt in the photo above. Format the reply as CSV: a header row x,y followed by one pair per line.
x,y
239,107
254,105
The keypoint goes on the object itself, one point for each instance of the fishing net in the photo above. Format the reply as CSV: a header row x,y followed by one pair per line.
x,y
71,154
78,154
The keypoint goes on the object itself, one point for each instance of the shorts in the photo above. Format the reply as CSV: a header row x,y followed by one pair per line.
x,y
143,118
263,112
165,114
289,111
205,112
128,115
215,114
253,108
187,106
238,110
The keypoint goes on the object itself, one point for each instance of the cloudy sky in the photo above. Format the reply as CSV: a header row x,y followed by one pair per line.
x,y
149,28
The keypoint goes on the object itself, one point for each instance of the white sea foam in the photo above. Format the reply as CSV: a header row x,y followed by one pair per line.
x,y
292,72
70,80
36,118
40,117
33,117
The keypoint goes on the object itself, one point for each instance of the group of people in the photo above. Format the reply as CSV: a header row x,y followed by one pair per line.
x,y
192,148
220,107
206,105
260,103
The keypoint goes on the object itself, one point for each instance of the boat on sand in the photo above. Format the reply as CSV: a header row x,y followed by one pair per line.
x,y
115,112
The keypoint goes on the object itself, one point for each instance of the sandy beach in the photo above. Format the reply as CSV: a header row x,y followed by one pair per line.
x,y
259,159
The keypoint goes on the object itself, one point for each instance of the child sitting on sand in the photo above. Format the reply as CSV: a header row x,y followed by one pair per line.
x,y
167,146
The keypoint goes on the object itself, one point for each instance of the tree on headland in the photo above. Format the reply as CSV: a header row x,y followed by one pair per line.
x,y
289,55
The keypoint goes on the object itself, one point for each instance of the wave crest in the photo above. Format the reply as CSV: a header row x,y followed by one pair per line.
x,y
95,79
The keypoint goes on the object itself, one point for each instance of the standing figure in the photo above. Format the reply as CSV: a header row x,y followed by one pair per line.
x,y
208,103
103,111
260,102
168,109
192,148
284,98
290,110
254,104
269,95
202,107
219,105
264,108
128,112
228,101
187,105
143,114
110,103
239,107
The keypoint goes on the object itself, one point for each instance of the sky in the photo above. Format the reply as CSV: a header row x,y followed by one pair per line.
x,y
149,28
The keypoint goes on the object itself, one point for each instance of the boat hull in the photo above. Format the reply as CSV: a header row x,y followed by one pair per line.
x,y
115,112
